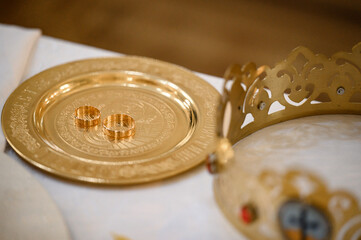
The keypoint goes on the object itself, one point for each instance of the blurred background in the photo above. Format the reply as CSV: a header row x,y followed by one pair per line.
x,y
205,36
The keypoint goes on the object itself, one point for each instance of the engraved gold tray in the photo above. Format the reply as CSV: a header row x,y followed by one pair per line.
x,y
174,111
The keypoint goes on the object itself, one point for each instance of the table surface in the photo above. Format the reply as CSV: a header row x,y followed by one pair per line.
x,y
181,207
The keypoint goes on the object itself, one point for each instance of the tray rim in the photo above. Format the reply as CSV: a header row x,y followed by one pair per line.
x,y
84,61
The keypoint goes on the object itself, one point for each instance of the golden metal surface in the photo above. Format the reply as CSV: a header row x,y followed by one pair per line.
x,y
270,190
304,84
119,126
174,112
87,116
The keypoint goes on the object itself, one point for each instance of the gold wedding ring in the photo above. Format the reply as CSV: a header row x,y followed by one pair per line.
x,y
119,126
87,116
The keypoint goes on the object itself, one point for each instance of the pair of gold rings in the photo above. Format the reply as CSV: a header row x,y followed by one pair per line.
x,y
115,126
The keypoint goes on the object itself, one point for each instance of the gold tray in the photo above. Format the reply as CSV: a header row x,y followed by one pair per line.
x,y
174,111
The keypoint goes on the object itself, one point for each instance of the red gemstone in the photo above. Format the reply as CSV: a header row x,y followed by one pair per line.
x,y
209,167
211,164
247,214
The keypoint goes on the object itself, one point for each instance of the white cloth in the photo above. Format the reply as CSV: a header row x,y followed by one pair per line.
x,y
16,48
181,207
26,209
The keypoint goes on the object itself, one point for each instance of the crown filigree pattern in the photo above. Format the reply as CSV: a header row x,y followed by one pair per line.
x,y
341,207
305,84
302,85
269,191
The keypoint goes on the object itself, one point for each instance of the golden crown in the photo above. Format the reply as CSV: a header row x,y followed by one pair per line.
x,y
269,204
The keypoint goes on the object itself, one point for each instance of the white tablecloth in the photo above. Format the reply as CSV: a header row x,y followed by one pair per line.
x,y
182,207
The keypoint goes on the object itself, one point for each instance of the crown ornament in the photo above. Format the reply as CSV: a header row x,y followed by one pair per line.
x,y
294,203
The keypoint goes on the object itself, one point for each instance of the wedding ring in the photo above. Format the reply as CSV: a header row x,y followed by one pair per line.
x,y
119,126
87,116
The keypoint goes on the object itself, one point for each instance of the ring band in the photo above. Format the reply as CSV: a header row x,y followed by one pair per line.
x,y
87,116
119,126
